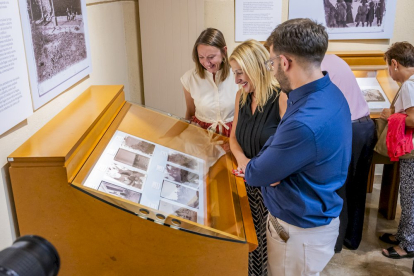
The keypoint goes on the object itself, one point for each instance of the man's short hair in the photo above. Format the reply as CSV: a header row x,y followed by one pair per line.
x,y
301,37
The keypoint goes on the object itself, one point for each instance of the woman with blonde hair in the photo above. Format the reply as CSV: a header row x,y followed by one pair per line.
x,y
209,88
259,108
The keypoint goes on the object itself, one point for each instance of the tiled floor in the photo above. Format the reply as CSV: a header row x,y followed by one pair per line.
x,y
368,260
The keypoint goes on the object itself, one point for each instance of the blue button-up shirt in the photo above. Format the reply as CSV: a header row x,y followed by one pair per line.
x,y
309,154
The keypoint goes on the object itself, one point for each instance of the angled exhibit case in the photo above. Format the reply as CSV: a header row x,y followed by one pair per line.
x,y
121,189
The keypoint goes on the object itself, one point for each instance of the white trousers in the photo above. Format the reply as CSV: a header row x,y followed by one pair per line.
x,y
307,251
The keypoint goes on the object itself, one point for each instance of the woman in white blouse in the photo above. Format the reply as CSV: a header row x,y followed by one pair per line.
x,y
209,88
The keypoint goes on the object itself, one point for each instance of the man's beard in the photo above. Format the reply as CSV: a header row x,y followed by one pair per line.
x,y
283,80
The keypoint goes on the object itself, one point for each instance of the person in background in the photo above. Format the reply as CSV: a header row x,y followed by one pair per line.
x,y
362,13
301,167
349,16
259,108
209,88
400,61
370,14
363,142
341,13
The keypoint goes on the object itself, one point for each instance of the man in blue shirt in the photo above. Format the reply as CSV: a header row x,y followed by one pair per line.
x,y
302,166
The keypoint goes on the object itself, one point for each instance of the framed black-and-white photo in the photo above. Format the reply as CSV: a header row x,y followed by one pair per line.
x,y
182,176
178,211
180,194
138,145
132,159
183,160
118,191
57,45
349,19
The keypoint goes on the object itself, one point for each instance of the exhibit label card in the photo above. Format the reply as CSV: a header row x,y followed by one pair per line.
x,y
349,19
256,19
15,102
57,46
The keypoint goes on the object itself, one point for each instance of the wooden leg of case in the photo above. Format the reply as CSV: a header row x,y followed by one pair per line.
x,y
389,190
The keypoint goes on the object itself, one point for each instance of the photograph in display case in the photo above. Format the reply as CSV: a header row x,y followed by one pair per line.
x,y
178,211
349,19
182,176
138,145
126,176
180,194
151,175
132,159
183,160
373,95
118,191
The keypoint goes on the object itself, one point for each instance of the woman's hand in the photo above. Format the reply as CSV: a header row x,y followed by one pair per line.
x,y
386,113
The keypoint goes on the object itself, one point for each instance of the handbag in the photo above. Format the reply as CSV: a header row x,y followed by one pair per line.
x,y
381,126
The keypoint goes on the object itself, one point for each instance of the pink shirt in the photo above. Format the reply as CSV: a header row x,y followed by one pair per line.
x,y
341,75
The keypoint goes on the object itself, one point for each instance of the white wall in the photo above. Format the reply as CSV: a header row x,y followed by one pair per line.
x,y
220,14
113,29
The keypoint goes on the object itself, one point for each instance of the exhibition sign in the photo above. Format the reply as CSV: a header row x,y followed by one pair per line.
x,y
256,19
57,46
15,102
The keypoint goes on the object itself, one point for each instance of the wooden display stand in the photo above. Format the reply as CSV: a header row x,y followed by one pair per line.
x,y
361,63
98,235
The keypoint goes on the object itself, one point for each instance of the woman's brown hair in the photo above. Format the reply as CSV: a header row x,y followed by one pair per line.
x,y
212,37
402,52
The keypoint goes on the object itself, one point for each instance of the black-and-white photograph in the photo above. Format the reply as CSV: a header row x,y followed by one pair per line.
x,y
183,160
118,191
126,176
178,211
58,35
139,145
132,159
182,176
180,194
373,95
368,14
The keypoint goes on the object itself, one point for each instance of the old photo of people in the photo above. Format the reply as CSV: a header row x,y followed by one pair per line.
x,y
180,194
118,191
126,176
368,14
178,211
182,176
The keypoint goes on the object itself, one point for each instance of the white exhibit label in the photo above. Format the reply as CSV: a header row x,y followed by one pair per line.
x,y
15,102
256,19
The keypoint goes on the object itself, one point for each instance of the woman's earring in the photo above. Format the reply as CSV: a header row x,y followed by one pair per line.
x,y
395,69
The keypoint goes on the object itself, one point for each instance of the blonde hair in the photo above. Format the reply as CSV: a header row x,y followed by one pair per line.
x,y
211,37
251,56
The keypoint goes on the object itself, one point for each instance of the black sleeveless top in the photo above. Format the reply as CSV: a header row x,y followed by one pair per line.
x,y
253,130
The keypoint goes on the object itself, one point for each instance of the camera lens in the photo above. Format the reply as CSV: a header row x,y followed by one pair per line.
x,y
30,256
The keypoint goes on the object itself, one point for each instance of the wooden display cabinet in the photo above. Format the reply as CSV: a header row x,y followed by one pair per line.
x,y
97,233
371,64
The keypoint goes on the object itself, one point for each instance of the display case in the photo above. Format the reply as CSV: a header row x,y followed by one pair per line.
x,y
371,71
121,189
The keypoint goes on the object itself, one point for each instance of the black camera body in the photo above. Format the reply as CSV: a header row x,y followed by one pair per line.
x,y
29,256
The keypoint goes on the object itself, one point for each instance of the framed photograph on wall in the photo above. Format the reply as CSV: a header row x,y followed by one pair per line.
x,y
349,19
57,46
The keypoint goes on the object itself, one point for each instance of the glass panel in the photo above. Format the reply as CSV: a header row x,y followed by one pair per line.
x,y
161,168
